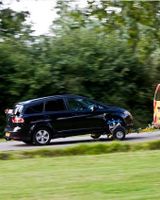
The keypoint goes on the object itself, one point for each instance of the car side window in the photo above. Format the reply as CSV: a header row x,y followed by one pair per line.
x,y
83,104
100,107
76,105
36,108
55,105
90,104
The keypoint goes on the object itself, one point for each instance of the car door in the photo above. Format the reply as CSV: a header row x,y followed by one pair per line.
x,y
57,114
85,116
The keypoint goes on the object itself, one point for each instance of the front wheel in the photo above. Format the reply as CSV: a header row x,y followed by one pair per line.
x,y
119,133
41,136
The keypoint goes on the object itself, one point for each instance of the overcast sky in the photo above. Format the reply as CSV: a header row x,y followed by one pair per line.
x,y
42,12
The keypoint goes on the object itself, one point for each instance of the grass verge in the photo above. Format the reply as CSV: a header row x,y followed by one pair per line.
x,y
93,149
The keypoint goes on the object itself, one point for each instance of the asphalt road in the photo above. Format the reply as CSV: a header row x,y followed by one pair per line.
x,y
63,142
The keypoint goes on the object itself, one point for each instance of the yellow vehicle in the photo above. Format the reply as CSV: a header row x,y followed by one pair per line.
x,y
156,107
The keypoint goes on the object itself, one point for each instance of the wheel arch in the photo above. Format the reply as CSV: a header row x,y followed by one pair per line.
x,y
37,126
116,116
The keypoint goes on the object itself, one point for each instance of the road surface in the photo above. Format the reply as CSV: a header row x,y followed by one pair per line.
x,y
63,142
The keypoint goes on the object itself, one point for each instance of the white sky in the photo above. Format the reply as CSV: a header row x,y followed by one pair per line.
x,y
42,12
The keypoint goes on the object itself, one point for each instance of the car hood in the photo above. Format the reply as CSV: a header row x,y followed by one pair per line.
x,y
112,108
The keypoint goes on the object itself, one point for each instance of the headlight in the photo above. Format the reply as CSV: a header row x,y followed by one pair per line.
x,y
126,113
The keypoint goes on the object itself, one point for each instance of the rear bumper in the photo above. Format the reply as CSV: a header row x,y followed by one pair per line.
x,y
16,135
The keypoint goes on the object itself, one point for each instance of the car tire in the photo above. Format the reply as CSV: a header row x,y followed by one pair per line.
x,y
42,136
119,133
95,136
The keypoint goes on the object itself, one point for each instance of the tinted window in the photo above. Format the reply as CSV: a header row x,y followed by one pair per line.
x,y
77,105
81,104
18,109
90,104
55,105
36,108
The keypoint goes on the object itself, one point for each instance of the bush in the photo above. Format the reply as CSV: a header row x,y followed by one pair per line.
x,y
86,149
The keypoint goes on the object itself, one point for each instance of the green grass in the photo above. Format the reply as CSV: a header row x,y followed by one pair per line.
x,y
118,176
2,140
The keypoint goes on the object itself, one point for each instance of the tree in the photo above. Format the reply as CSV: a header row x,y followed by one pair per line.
x,y
16,67
108,51
134,25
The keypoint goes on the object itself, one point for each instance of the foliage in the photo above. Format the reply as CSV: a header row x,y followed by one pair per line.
x,y
108,51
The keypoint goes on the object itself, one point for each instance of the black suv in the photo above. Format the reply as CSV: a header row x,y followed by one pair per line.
x,y
39,120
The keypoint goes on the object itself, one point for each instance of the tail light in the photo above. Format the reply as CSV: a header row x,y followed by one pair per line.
x,y
17,120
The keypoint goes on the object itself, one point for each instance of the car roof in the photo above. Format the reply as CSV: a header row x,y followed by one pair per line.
x,y
49,97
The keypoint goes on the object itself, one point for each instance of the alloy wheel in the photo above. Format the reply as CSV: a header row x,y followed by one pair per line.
x,y
42,137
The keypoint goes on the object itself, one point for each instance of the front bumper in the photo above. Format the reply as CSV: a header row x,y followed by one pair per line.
x,y
128,121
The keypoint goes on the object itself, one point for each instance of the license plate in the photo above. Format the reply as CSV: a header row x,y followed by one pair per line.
x,y
7,134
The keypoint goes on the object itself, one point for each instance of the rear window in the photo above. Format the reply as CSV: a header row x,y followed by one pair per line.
x,y
35,108
18,109
55,105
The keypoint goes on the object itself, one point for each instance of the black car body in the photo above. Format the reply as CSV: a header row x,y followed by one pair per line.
x,y
39,120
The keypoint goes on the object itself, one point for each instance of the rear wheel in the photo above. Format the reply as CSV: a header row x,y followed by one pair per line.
x,y
42,136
